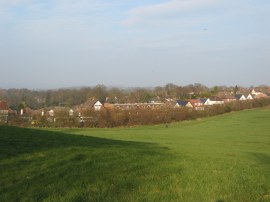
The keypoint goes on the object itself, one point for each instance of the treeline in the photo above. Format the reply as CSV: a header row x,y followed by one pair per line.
x,y
107,118
36,99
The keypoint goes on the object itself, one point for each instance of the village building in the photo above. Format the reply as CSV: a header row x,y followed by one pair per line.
x,y
228,98
197,104
240,97
249,96
258,95
206,101
97,106
126,106
183,103
91,103
216,100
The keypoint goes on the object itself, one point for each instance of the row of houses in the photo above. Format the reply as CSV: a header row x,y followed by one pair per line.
x,y
199,104
96,105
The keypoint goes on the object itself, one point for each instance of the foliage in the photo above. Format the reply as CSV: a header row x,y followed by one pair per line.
x,y
74,96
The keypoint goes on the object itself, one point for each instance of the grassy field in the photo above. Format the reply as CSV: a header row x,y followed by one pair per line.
x,y
222,158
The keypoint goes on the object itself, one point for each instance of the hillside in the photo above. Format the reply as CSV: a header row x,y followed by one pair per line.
x,y
222,158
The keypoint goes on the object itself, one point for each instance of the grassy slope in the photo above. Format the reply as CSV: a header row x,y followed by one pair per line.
x,y
224,158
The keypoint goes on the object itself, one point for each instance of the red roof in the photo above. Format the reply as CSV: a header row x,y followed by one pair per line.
x,y
195,102
3,105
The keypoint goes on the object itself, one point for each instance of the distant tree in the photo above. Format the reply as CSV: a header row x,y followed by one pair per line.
x,y
170,90
236,89
140,95
205,95
160,92
22,105
215,90
115,95
100,92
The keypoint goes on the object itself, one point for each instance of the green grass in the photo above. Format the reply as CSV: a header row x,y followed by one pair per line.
x,y
222,158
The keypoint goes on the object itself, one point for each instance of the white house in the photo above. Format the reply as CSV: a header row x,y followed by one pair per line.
x,y
71,112
253,92
216,100
206,101
240,97
258,94
182,103
249,97
97,106
51,112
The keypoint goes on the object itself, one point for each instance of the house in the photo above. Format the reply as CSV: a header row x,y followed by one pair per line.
x,y
97,106
197,104
258,95
206,101
3,111
182,103
92,103
51,112
228,98
253,92
71,112
216,100
240,97
249,97
127,106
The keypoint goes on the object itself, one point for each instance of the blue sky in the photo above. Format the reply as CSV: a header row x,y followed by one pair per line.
x,y
134,43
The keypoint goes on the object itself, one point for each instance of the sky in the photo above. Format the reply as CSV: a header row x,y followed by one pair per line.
x,y
134,43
